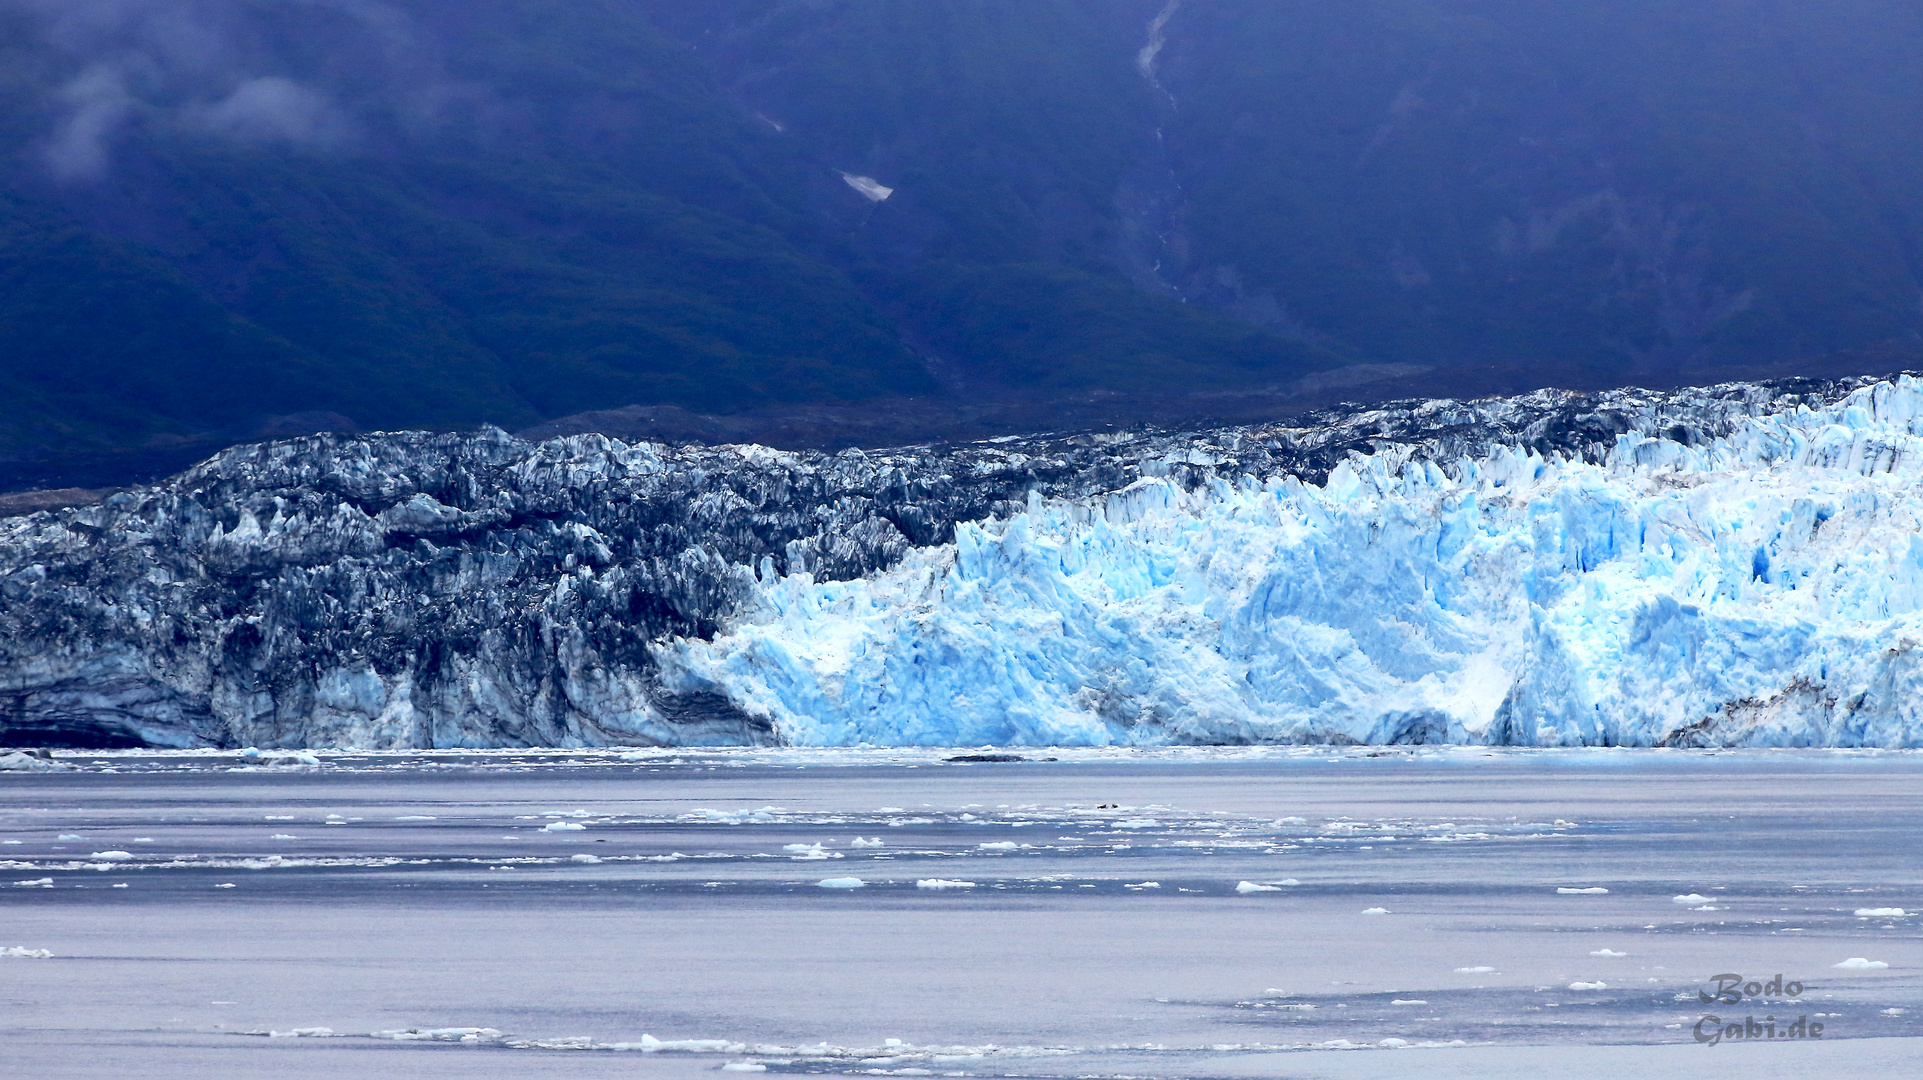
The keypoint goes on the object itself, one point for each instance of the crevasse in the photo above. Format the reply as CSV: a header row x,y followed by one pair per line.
x,y
1760,588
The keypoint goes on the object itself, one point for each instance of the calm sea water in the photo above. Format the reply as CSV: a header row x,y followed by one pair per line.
x,y
1183,913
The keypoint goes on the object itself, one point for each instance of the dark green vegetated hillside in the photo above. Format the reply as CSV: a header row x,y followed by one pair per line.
x,y
223,218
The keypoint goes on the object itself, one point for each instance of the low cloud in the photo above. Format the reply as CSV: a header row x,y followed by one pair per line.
x,y
273,109
98,103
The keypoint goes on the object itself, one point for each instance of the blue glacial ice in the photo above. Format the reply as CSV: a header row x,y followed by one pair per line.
x,y
1758,589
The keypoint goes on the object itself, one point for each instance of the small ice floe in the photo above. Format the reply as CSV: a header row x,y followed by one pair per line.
x,y
744,1066
111,856
939,883
35,883
1375,911
1894,1012
279,757
1247,887
651,1045
810,852
587,860
17,952
999,845
563,826
1407,1001
1138,823
1593,890
841,883
449,1034
1882,912
302,1033
1291,821
871,189
1858,963
69,836
1479,969
1691,899
1588,986
283,836
1395,1044
225,885
21,761
1141,885
1608,952
860,842
415,817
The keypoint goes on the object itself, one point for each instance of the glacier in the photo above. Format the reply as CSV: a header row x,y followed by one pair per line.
x,y
1728,566
1759,589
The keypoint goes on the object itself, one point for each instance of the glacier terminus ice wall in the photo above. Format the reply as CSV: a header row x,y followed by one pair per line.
x,y
1734,566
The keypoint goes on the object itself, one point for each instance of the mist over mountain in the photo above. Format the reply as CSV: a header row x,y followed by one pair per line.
x,y
227,218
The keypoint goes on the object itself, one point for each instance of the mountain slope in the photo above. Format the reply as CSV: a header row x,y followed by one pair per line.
x,y
228,217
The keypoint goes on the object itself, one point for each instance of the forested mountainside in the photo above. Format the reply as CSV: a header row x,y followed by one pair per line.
x,y
221,219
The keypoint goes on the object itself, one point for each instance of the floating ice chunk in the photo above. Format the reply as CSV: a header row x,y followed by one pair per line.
x,y
1407,1001
588,860
650,1045
450,1034
999,845
1480,969
283,836
871,189
1395,1044
112,856
69,836
1138,823
1894,1012
1858,963
1593,890
35,883
940,883
280,817
302,1033
1142,885
1588,986
416,817
842,883
1375,911
225,885
22,762
1691,898
859,842
1882,912
1291,821
18,952
563,826
744,1066
1608,952
1247,887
